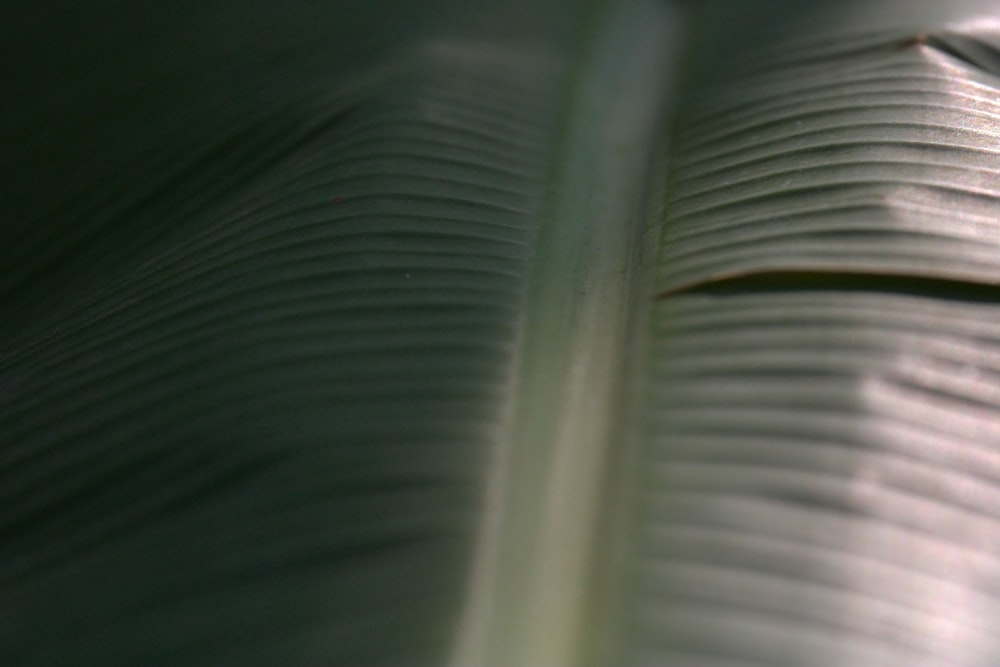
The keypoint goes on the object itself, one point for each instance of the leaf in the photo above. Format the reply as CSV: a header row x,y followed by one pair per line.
x,y
820,469
521,333
260,310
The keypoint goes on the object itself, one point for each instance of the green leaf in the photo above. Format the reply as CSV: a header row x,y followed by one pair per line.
x,y
260,311
532,332
819,477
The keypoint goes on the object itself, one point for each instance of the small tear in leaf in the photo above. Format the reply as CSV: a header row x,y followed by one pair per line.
x,y
980,51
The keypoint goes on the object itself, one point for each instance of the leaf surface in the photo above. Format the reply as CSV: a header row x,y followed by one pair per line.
x,y
523,333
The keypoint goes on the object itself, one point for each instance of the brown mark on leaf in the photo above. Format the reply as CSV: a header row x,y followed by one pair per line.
x,y
822,280
917,40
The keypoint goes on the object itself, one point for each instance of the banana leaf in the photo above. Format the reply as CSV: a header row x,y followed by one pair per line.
x,y
465,332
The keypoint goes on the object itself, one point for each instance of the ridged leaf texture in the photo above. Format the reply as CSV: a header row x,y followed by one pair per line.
x,y
541,332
